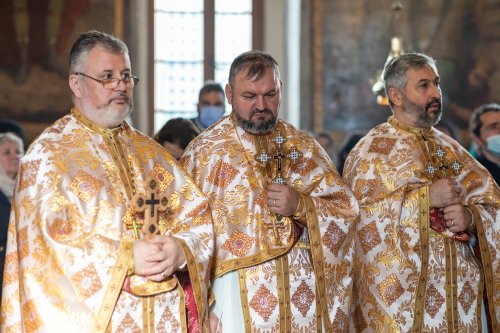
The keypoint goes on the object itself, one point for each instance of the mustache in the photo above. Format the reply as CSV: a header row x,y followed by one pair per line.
x,y
120,96
256,111
432,102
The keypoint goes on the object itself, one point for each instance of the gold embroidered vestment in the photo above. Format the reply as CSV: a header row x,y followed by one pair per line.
x,y
302,281
410,278
70,233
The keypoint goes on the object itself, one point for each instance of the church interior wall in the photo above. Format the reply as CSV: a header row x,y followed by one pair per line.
x,y
462,35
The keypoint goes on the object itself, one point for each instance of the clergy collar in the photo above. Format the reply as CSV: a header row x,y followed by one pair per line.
x,y
109,132
415,130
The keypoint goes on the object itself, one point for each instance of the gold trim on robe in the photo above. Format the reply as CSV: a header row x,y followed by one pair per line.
x,y
305,269
70,232
408,276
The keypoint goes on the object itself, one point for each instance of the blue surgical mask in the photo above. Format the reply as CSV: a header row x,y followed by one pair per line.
x,y
210,114
493,144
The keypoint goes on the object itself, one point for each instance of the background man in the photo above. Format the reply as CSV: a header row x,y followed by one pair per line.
x,y
283,251
76,260
210,105
485,131
421,195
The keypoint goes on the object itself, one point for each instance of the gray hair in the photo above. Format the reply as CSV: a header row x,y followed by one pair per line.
x,y
89,40
255,63
394,74
12,138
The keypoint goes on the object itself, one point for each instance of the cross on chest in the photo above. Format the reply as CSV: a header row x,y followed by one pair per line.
x,y
279,157
441,167
150,202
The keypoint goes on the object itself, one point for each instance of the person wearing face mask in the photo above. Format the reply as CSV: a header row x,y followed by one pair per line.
x,y
210,105
485,131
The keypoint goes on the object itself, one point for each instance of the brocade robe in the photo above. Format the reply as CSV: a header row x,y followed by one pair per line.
x,y
282,278
410,278
70,234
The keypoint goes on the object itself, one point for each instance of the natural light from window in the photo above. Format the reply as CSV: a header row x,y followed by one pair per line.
x,y
179,51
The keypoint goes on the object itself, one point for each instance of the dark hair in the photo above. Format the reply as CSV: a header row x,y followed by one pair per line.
x,y
255,63
325,135
395,70
210,86
89,40
9,125
346,149
177,130
475,119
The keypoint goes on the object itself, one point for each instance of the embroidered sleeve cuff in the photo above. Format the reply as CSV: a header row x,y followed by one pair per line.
x,y
300,211
472,226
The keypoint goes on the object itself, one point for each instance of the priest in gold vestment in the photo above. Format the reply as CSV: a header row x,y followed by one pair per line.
x,y
283,217
424,202
77,259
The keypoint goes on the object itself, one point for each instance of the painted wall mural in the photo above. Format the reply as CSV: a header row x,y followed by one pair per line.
x,y
35,37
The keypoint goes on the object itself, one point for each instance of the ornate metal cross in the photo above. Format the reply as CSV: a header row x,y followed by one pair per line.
x,y
156,202
281,154
440,166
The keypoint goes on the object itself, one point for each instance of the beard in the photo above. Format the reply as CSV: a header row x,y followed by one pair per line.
x,y
257,126
108,115
423,117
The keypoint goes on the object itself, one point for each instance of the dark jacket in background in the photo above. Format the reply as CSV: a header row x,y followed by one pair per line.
x,y
491,167
4,224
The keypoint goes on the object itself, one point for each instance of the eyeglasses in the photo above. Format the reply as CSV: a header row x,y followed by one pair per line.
x,y
113,82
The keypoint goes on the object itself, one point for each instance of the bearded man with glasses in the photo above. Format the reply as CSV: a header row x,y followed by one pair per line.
x,y
77,259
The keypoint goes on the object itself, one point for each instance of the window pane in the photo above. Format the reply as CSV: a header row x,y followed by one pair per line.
x,y
232,6
222,73
233,35
176,87
179,6
178,36
179,42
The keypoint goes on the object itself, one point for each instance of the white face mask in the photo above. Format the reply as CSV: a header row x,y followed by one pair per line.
x,y
493,144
